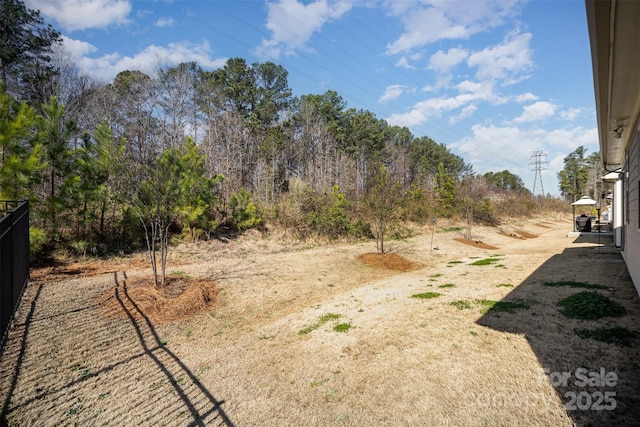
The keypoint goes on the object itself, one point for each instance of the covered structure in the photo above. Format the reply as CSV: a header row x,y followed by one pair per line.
x,y
615,53
582,224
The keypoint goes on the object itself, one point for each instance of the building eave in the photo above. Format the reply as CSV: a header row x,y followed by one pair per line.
x,y
614,32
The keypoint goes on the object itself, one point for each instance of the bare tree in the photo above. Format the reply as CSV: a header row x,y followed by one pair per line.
x,y
382,204
472,196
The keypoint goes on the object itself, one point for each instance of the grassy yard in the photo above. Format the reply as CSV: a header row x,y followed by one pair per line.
x,y
313,335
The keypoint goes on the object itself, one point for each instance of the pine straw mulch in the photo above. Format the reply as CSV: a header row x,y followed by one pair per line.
x,y
475,243
542,225
389,261
512,235
138,298
526,234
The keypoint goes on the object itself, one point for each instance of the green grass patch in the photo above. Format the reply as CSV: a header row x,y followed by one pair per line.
x,y
573,284
309,329
447,285
342,327
426,295
486,261
454,262
590,306
617,335
321,320
500,306
461,304
504,285
436,275
328,317
179,274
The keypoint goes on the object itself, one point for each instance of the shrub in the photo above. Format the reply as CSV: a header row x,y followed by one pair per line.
x,y
37,239
244,214
330,215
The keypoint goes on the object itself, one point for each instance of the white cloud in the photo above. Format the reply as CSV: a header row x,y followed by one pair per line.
x,y
470,94
526,97
443,62
511,144
107,66
509,61
82,14
392,92
538,111
403,62
492,145
78,48
293,23
428,21
428,109
165,22
464,114
571,114
480,90
496,148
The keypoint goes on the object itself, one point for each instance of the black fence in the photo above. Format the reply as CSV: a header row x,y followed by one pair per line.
x,y
14,260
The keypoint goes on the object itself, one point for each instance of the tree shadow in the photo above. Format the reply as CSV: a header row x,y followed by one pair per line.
x,y
22,347
598,383
66,364
208,410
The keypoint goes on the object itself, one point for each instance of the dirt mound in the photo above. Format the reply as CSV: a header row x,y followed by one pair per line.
x,y
180,298
475,243
389,261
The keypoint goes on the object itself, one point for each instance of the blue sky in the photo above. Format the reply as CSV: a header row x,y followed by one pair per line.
x,y
494,80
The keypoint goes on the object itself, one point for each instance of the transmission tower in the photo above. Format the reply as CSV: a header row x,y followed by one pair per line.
x,y
537,164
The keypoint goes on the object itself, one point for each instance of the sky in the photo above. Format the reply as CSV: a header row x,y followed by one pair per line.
x,y
494,80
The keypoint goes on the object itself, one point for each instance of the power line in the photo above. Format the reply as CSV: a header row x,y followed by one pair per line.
x,y
538,165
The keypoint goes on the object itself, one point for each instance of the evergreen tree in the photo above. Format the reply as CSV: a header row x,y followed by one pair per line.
x,y
445,191
20,156
573,178
505,180
25,46
55,135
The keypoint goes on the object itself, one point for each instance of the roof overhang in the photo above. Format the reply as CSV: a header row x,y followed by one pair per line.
x,y
614,32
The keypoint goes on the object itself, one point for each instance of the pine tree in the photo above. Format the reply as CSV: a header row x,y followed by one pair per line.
x,y
20,157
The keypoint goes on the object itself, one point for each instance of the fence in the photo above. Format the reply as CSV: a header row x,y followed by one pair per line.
x,y
14,260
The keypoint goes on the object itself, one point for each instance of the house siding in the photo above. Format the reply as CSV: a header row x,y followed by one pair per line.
x,y
631,250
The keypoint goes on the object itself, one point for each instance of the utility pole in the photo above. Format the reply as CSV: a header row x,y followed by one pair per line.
x,y
537,164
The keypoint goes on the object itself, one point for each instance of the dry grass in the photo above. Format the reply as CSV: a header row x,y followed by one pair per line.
x,y
402,361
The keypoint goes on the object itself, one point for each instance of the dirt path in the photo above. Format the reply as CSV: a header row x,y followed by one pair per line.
x,y
403,360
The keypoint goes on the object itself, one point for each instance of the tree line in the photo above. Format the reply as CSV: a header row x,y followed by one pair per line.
x,y
186,151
